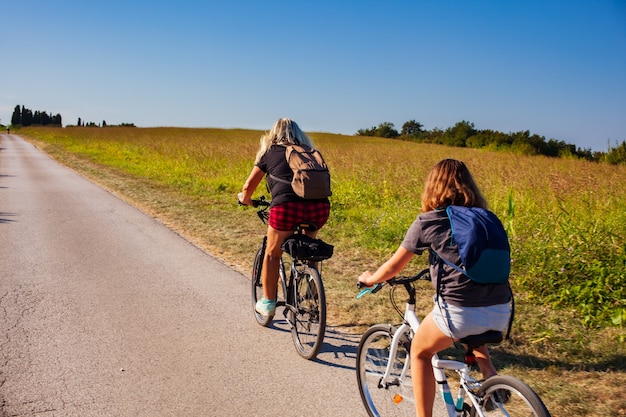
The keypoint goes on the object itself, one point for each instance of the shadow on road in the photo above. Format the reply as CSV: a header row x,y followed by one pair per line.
x,y
3,216
338,350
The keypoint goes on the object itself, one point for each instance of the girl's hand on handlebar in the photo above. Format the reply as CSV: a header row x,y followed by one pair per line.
x,y
364,285
363,280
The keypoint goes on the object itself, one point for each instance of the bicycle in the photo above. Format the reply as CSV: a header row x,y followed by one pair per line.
x,y
383,370
303,298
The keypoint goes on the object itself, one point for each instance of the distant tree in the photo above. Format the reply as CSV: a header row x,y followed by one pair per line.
x,y
79,122
387,130
479,140
615,155
16,118
553,147
464,134
27,116
412,129
41,118
366,132
383,130
459,133
586,154
104,123
433,136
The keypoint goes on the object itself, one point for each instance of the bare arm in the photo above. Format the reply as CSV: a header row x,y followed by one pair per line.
x,y
389,269
255,177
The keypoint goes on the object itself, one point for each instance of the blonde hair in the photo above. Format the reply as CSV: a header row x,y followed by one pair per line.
x,y
450,183
285,132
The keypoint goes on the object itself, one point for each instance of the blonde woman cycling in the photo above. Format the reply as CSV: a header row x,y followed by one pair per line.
x,y
287,208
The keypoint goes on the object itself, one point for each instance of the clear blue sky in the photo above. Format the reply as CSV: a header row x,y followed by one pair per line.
x,y
555,68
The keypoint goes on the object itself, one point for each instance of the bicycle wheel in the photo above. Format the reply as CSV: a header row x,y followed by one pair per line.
x,y
257,286
308,315
508,396
395,397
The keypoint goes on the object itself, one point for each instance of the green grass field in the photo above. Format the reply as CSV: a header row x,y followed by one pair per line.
x,y
566,221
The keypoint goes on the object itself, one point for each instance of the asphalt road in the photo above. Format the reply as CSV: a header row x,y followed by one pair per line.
x,y
106,312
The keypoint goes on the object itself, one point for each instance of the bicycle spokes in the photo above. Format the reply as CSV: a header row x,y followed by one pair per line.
x,y
308,316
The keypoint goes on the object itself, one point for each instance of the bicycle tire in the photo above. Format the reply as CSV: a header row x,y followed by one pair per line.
x,y
308,315
504,395
396,399
257,286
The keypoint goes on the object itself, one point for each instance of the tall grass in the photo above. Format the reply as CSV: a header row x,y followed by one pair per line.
x,y
566,218
566,221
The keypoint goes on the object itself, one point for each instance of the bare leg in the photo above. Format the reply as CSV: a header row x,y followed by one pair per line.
x,y
484,361
427,341
271,262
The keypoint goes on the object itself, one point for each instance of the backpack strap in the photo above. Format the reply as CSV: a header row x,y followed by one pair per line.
x,y
275,178
447,262
510,326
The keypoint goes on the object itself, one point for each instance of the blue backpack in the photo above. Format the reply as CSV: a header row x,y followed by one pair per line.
x,y
482,242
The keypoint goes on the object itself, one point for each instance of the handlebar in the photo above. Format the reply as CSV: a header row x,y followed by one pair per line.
x,y
260,202
404,280
373,289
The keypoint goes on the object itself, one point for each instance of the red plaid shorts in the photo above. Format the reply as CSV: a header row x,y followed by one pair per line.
x,y
286,215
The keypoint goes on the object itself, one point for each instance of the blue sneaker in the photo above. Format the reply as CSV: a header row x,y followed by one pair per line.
x,y
265,307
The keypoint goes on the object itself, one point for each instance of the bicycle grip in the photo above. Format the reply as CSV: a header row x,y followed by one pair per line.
x,y
373,289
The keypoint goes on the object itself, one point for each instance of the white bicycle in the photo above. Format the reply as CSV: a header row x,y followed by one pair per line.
x,y
384,377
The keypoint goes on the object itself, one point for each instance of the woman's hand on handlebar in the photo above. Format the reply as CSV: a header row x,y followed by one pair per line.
x,y
244,201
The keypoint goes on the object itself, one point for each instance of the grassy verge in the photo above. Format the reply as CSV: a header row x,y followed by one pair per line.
x,y
566,220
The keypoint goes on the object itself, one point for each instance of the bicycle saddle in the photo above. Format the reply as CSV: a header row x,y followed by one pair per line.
x,y
311,227
491,336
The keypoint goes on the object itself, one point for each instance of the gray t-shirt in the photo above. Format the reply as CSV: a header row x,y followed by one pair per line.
x,y
432,230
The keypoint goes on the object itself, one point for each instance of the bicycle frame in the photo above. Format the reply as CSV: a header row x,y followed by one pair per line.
x,y
461,368
288,289
411,322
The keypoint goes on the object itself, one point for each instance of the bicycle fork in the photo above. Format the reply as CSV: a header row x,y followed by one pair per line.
x,y
287,294
411,323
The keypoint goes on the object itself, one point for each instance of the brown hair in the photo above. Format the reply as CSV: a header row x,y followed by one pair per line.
x,y
450,183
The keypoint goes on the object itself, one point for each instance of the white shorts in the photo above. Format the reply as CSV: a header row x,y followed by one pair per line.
x,y
458,322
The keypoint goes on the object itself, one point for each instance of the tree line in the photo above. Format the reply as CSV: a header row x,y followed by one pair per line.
x,y
464,134
23,116
82,123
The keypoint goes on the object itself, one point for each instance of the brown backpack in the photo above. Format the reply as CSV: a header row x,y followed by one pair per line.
x,y
311,178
